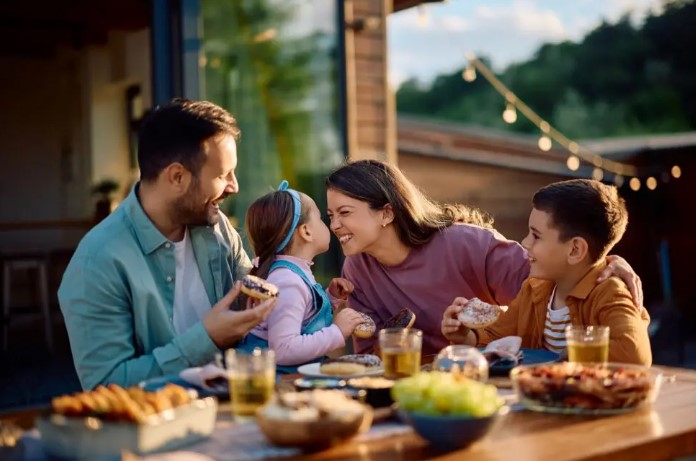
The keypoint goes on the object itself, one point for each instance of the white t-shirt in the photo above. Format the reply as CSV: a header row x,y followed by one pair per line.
x,y
191,302
554,327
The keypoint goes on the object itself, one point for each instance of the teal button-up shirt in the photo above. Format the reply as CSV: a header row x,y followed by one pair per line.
x,y
117,297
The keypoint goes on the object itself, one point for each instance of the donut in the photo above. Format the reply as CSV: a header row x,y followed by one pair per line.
x,y
351,364
403,319
479,314
257,287
366,329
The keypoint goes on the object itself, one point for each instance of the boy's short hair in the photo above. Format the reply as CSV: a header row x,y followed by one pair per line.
x,y
585,208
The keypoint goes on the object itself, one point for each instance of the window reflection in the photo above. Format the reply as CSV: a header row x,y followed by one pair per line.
x,y
274,64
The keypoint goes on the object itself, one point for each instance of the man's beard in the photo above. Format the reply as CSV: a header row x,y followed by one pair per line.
x,y
189,211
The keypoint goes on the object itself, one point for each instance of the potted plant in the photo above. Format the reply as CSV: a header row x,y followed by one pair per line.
x,y
104,190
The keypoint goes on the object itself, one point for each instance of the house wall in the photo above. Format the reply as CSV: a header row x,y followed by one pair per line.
x,y
63,127
504,193
371,109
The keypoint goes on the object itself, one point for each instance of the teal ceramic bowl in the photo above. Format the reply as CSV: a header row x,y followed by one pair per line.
x,y
451,432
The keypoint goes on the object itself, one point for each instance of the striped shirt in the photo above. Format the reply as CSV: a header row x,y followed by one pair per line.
x,y
554,327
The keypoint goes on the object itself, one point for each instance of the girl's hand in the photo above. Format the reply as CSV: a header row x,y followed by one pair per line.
x,y
340,288
619,267
452,329
346,320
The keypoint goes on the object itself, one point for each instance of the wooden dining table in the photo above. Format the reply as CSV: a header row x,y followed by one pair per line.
x,y
666,430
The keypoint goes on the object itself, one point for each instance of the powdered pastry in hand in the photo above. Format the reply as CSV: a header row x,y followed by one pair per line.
x,y
478,314
367,328
256,287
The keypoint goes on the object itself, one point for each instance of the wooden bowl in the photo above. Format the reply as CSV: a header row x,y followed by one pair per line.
x,y
320,433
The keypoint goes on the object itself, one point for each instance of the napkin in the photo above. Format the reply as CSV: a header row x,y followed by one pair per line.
x,y
209,377
507,348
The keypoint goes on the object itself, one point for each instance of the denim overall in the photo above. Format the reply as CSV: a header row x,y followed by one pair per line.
x,y
322,316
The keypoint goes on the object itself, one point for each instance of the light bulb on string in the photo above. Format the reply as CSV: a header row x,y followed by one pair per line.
x,y
469,74
676,172
634,183
573,147
573,163
597,161
510,113
545,143
597,174
618,180
651,183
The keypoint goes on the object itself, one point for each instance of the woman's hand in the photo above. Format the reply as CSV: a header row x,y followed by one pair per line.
x,y
619,267
346,320
452,329
340,288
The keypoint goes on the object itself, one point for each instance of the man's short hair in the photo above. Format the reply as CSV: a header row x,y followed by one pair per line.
x,y
176,131
585,208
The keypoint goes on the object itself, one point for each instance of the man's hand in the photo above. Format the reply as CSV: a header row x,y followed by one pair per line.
x,y
226,327
340,288
619,267
452,329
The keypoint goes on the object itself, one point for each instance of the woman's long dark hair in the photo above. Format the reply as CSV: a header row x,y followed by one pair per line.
x,y
417,218
268,221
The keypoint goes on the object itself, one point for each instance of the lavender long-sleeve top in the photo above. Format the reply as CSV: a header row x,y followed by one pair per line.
x,y
282,327
461,260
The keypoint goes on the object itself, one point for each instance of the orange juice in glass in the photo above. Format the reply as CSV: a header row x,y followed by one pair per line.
x,y
587,343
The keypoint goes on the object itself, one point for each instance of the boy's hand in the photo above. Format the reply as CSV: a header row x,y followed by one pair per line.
x,y
346,320
226,327
619,267
340,288
451,327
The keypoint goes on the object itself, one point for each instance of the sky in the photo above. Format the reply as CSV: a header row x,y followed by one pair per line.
x,y
432,40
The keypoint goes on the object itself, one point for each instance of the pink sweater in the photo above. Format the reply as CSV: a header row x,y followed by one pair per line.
x,y
282,327
462,260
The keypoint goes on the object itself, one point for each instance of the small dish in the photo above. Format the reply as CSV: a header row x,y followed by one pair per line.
x,y
308,384
377,390
312,370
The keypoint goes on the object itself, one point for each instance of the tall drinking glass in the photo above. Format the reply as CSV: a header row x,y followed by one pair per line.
x,y
401,351
251,378
587,344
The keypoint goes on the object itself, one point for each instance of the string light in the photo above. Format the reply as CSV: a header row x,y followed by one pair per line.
x,y
550,135
597,174
510,113
545,143
573,163
422,15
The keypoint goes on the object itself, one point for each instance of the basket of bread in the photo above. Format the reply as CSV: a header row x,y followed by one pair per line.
x,y
110,419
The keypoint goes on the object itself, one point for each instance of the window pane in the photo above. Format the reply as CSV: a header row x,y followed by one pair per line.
x,y
274,65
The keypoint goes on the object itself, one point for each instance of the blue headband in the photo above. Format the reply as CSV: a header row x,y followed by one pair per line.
x,y
297,210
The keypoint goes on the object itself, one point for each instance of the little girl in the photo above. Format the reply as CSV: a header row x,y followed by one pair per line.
x,y
286,233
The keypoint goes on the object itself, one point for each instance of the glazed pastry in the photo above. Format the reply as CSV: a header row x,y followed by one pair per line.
x,y
257,287
478,314
403,319
350,364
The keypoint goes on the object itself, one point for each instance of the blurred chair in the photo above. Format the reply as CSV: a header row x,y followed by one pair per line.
x,y
12,262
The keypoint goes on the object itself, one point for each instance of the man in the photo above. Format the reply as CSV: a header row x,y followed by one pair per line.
x,y
149,290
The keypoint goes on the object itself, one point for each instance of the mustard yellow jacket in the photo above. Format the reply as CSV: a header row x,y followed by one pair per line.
x,y
608,303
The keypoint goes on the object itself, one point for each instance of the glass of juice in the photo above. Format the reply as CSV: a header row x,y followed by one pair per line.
x,y
587,343
401,351
252,380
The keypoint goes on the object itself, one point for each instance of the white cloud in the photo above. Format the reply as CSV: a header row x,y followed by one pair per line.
x,y
506,31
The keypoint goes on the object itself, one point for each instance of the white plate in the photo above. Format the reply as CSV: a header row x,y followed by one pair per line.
x,y
312,370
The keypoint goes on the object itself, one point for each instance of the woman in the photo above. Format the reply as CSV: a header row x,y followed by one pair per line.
x,y
403,250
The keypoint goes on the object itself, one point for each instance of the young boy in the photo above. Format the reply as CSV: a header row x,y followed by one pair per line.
x,y
572,227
